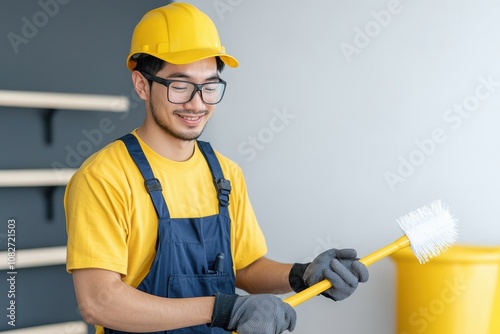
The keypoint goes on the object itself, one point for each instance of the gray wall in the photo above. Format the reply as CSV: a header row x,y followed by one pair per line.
x,y
75,47
317,177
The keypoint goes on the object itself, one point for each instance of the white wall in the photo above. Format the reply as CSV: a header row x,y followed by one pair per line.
x,y
350,118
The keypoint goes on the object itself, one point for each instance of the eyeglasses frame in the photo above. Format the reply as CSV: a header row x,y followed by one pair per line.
x,y
198,87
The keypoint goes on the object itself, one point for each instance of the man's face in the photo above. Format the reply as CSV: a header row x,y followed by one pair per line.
x,y
183,121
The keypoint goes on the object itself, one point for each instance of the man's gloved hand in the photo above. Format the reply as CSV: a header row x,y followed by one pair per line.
x,y
263,314
340,267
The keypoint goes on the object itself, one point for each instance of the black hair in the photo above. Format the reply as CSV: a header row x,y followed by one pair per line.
x,y
152,65
220,64
149,64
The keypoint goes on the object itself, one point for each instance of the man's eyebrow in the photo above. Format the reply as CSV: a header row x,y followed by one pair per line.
x,y
182,75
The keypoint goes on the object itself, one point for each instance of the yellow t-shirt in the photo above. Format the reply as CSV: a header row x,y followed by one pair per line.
x,y
111,221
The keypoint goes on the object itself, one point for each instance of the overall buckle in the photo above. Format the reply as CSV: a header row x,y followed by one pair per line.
x,y
224,189
152,185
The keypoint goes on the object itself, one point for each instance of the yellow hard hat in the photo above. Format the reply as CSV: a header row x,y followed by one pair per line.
x,y
178,33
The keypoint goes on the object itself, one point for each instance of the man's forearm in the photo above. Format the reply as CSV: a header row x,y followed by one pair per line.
x,y
264,276
116,305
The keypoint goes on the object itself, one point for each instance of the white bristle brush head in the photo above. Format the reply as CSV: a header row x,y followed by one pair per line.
x,y
431,230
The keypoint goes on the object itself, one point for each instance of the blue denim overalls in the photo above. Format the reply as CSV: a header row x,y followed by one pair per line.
x,y
193,255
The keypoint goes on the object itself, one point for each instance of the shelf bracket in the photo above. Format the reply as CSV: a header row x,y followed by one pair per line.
x,y
49,202
48,116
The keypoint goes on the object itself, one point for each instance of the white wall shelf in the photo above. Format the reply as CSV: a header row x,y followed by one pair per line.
x,y
46,100
35,257
73,327
35,177
50,102
48,179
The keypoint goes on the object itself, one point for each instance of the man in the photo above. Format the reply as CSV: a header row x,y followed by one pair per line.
x,y
160,227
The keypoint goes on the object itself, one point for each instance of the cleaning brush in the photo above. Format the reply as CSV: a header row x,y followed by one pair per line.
x,y
428,230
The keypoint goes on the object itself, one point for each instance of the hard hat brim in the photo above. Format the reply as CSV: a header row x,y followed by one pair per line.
x,y
186,57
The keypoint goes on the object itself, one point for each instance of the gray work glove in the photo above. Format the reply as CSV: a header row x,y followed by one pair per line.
x,y
262,314
340,267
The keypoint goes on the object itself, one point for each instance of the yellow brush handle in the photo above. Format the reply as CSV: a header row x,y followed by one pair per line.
x,y
324,285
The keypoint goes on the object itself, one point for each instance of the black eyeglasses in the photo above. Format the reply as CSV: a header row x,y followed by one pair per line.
x,y
180,92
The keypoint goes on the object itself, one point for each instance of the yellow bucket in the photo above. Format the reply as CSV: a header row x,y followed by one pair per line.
x,y
457,292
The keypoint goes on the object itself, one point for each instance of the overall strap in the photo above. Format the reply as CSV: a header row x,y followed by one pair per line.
x,y
152,184
222,185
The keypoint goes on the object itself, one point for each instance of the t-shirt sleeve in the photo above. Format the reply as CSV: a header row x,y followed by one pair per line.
x,y
97,232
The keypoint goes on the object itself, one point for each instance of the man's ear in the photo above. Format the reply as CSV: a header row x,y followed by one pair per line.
x,y
141,85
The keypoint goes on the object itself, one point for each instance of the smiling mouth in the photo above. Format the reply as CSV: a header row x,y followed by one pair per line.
x,y
191,118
